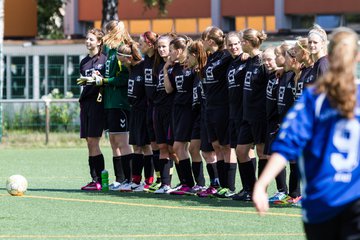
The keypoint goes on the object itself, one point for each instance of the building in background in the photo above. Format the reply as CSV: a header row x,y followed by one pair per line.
x,y
20,19
34,68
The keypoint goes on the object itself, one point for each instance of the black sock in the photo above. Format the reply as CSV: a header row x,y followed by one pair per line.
x,y
127,164
93,174
220,165
261,165
180,173
185,166
148,169
118,169
248,171
137,167
281,181
197,169
294,181
157,165
231,175
165,166
99,166
213,174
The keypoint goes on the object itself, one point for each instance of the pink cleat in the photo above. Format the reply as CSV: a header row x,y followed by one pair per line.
x,y
92,186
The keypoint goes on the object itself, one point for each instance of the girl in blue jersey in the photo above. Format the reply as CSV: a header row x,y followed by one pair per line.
x,y
92,119
217,103
130,56
318,49
147,43
322,131
253,127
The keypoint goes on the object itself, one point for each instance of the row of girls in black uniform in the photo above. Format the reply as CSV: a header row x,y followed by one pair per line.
x,y
220,96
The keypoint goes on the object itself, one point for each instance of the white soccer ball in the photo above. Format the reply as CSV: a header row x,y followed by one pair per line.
x,y
16,185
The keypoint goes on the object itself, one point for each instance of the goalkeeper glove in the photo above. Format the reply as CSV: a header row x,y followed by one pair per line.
x,y
83,80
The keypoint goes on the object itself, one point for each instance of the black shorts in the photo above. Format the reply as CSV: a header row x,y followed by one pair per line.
x,y
150,122
138,129
271,132
182,122
205,145
92,119
345,225
195,133
163,125
234,130
217,125
117,120
252,132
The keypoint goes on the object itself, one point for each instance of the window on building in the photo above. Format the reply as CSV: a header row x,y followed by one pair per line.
x,y
302,21
328,21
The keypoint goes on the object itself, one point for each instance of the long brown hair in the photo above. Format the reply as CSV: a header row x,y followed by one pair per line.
x,y
99,34
255,37
217,35
116,34
339,82
196,48
169,37
131,49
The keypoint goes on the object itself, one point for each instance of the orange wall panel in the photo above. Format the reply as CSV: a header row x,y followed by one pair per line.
x,y
256,23
161,26
204,23
247,8
270,23
20,18
186,25
139,26
321,6
240,23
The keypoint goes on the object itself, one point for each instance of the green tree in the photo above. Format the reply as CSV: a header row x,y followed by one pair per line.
x,y
110,8
160,4
51,18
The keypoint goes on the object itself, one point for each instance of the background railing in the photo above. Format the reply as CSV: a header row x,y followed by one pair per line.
x,y
44,116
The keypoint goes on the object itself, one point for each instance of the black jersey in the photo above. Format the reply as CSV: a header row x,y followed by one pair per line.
x,y
182,80
286,93
136,87
150,80
235,76
87,66
254,94
162,99
215,82
319,68
302,81
197,89
271,97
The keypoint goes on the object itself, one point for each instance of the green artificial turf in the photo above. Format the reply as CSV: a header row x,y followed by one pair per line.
x,y
55,208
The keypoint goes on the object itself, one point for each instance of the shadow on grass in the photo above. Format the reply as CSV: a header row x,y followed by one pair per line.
x,y
185,200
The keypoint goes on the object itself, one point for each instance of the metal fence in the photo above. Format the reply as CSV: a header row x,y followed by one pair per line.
x,y
45,115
